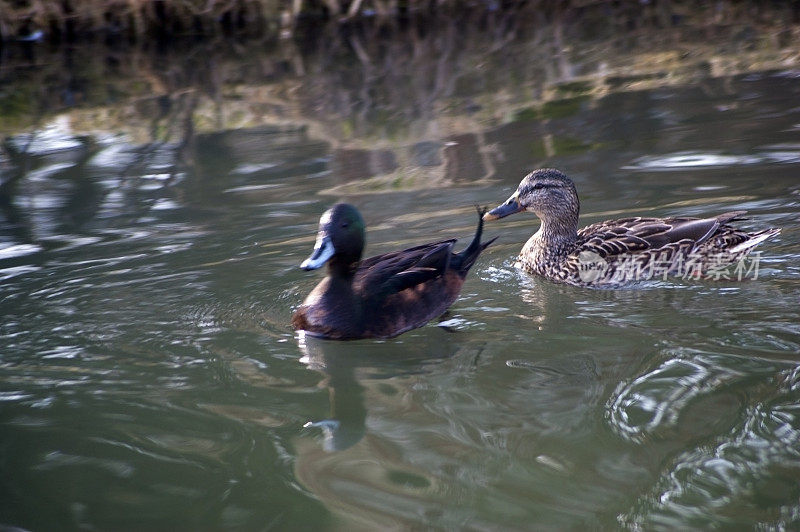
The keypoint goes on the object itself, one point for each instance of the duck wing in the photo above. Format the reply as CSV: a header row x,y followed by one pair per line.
x,y
393,272
640,234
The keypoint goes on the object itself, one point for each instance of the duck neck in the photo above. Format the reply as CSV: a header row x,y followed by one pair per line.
x,y
561,228
342,270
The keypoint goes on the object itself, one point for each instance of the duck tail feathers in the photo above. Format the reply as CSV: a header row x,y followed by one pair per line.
x,y
755,240
465,259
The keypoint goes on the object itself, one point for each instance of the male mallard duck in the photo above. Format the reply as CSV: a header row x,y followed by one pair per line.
x,y
616,251
381,296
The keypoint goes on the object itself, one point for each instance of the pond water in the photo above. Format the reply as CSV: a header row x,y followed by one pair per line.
x,y
149,377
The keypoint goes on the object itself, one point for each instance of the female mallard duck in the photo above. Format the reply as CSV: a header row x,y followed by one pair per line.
x,y
381,296
616,251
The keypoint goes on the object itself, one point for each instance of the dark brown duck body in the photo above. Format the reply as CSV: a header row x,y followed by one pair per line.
x,y
384,295
614,252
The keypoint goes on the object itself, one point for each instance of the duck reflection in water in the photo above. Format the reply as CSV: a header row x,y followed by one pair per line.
x,y
341,363
345,427
381,296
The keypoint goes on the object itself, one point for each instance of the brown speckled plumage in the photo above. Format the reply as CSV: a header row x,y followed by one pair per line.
x,y
613,252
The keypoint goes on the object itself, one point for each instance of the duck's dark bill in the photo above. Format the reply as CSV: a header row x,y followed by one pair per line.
x,y
509,207
323,251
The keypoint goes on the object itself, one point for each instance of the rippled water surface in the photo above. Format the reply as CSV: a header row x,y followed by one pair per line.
x,y
149,378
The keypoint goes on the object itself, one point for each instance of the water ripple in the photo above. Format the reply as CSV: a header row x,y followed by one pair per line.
x,y
18,250
745,474
654,401
700,159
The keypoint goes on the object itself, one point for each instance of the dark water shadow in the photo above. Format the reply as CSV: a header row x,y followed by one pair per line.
x,y
350,367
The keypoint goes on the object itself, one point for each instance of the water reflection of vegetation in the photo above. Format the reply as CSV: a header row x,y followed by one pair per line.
x,y
403,105
388,84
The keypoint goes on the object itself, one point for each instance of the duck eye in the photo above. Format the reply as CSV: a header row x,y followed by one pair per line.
x,y
345,225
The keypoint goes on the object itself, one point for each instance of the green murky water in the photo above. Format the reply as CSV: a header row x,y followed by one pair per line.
x,y
149,378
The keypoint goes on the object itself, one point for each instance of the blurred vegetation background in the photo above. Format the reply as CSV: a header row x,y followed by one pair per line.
x,y
135,20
